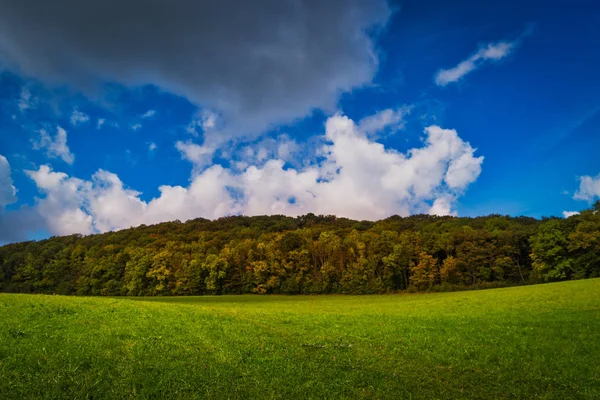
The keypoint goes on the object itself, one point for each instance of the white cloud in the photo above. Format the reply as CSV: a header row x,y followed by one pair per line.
x,y
55,147
567,214
79,117
358,178
589,188
111,204
136,127
386,119
462,170
148,114
442,206
101,122
71,205
8,193
198,155
62,205
152,146
492,52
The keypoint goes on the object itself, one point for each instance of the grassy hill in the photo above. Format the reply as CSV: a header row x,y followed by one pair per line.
x,y
538,341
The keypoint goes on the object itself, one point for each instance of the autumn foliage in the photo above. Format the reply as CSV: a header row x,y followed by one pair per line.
x,y
308,254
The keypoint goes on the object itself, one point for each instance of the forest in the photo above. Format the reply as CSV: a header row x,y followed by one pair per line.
x,y
309,254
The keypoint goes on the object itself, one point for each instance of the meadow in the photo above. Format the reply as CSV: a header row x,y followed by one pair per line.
x,y
539,341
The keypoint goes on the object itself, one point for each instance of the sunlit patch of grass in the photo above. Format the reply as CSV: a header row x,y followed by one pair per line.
x,y
528,342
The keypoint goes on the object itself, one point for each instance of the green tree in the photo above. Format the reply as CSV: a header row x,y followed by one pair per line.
x,y
216,269
549,251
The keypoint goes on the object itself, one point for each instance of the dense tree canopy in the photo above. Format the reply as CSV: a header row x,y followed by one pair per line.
x,y
308,254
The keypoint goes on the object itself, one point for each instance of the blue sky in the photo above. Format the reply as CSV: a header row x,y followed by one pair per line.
x,y
360,109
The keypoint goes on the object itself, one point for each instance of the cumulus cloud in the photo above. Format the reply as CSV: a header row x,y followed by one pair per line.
x,y
442,206
61,207
358,178
71,205
257,64
489,53
55,147
152,146
567,214
589,188
78,117
8,193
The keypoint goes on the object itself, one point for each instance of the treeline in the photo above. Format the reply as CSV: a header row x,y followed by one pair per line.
x,y
308,254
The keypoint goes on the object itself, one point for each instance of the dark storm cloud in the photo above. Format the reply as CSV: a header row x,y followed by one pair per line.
x,y
257,62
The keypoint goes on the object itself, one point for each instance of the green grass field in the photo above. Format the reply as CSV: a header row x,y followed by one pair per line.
x,y
528,342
